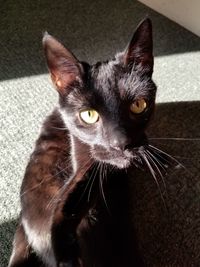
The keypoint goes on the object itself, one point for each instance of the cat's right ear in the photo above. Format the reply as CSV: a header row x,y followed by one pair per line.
x,y
62,64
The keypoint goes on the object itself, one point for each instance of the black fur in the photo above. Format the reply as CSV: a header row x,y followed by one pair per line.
x,y
75,193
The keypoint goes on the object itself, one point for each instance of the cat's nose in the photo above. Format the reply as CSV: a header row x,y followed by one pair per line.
x,y
120,142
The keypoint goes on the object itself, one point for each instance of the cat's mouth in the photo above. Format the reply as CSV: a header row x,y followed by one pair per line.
x,y
118,158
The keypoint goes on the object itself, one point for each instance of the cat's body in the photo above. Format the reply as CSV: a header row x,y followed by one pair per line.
x,y
75,193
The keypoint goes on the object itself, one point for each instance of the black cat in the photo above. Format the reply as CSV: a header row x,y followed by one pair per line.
x,y
75,193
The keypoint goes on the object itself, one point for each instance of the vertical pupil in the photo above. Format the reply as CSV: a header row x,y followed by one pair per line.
x,y
89,113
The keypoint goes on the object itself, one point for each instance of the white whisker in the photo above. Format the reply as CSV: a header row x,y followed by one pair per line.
x,y
101,186
43,181
57,196
57,128
174,138
153,160
93,180
166,154
179,164
145,157
163,166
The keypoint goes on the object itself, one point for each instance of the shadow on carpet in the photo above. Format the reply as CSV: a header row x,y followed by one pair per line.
x,y
7,230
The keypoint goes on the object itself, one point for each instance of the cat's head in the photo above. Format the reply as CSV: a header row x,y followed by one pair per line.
x,y
107,105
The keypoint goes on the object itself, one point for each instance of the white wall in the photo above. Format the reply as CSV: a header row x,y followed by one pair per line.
x,y
184,12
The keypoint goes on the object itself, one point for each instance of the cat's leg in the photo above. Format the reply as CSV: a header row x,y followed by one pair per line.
x,y
65,245
64,240
67,217
22,254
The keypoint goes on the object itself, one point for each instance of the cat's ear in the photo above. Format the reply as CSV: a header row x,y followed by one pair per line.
x,y
139,53
63,65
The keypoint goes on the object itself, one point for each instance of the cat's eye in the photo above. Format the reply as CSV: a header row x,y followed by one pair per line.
x,y
138,106
89,116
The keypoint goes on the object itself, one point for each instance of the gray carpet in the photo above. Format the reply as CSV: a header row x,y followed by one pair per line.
x,y
95,30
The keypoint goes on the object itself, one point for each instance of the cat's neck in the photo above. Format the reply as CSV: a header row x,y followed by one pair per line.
x,y
80,153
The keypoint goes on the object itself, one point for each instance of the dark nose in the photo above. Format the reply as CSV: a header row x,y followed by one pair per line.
x,y
119,142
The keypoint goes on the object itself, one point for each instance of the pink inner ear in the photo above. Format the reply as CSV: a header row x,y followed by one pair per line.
x,y
63,65
62,81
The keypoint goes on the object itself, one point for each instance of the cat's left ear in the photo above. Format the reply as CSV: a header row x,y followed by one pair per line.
x,y
139,53
62,64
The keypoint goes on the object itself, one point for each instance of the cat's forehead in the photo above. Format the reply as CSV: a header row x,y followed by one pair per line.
x,y
111,77
106,76
104,73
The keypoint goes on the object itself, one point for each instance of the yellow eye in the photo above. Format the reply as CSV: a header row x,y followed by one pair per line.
x,y
138,106
89,116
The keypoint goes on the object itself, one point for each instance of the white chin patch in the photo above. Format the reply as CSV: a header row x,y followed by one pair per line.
x,y
119,163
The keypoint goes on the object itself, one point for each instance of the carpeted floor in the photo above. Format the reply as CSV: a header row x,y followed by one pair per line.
x,y
95,30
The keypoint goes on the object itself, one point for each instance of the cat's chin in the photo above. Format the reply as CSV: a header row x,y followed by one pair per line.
x,y
113,157
120,163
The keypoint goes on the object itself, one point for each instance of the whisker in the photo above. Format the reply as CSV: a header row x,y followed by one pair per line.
x,y
174,138
166,162
153,160
101,186
155,156
87,185
154,176
95,174
168,155
138,160
44,180
111,168
60,191
190,158
55,198
58,128
105,172
179,164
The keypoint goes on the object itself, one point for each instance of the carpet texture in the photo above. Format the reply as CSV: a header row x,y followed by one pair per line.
x,y
96,30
